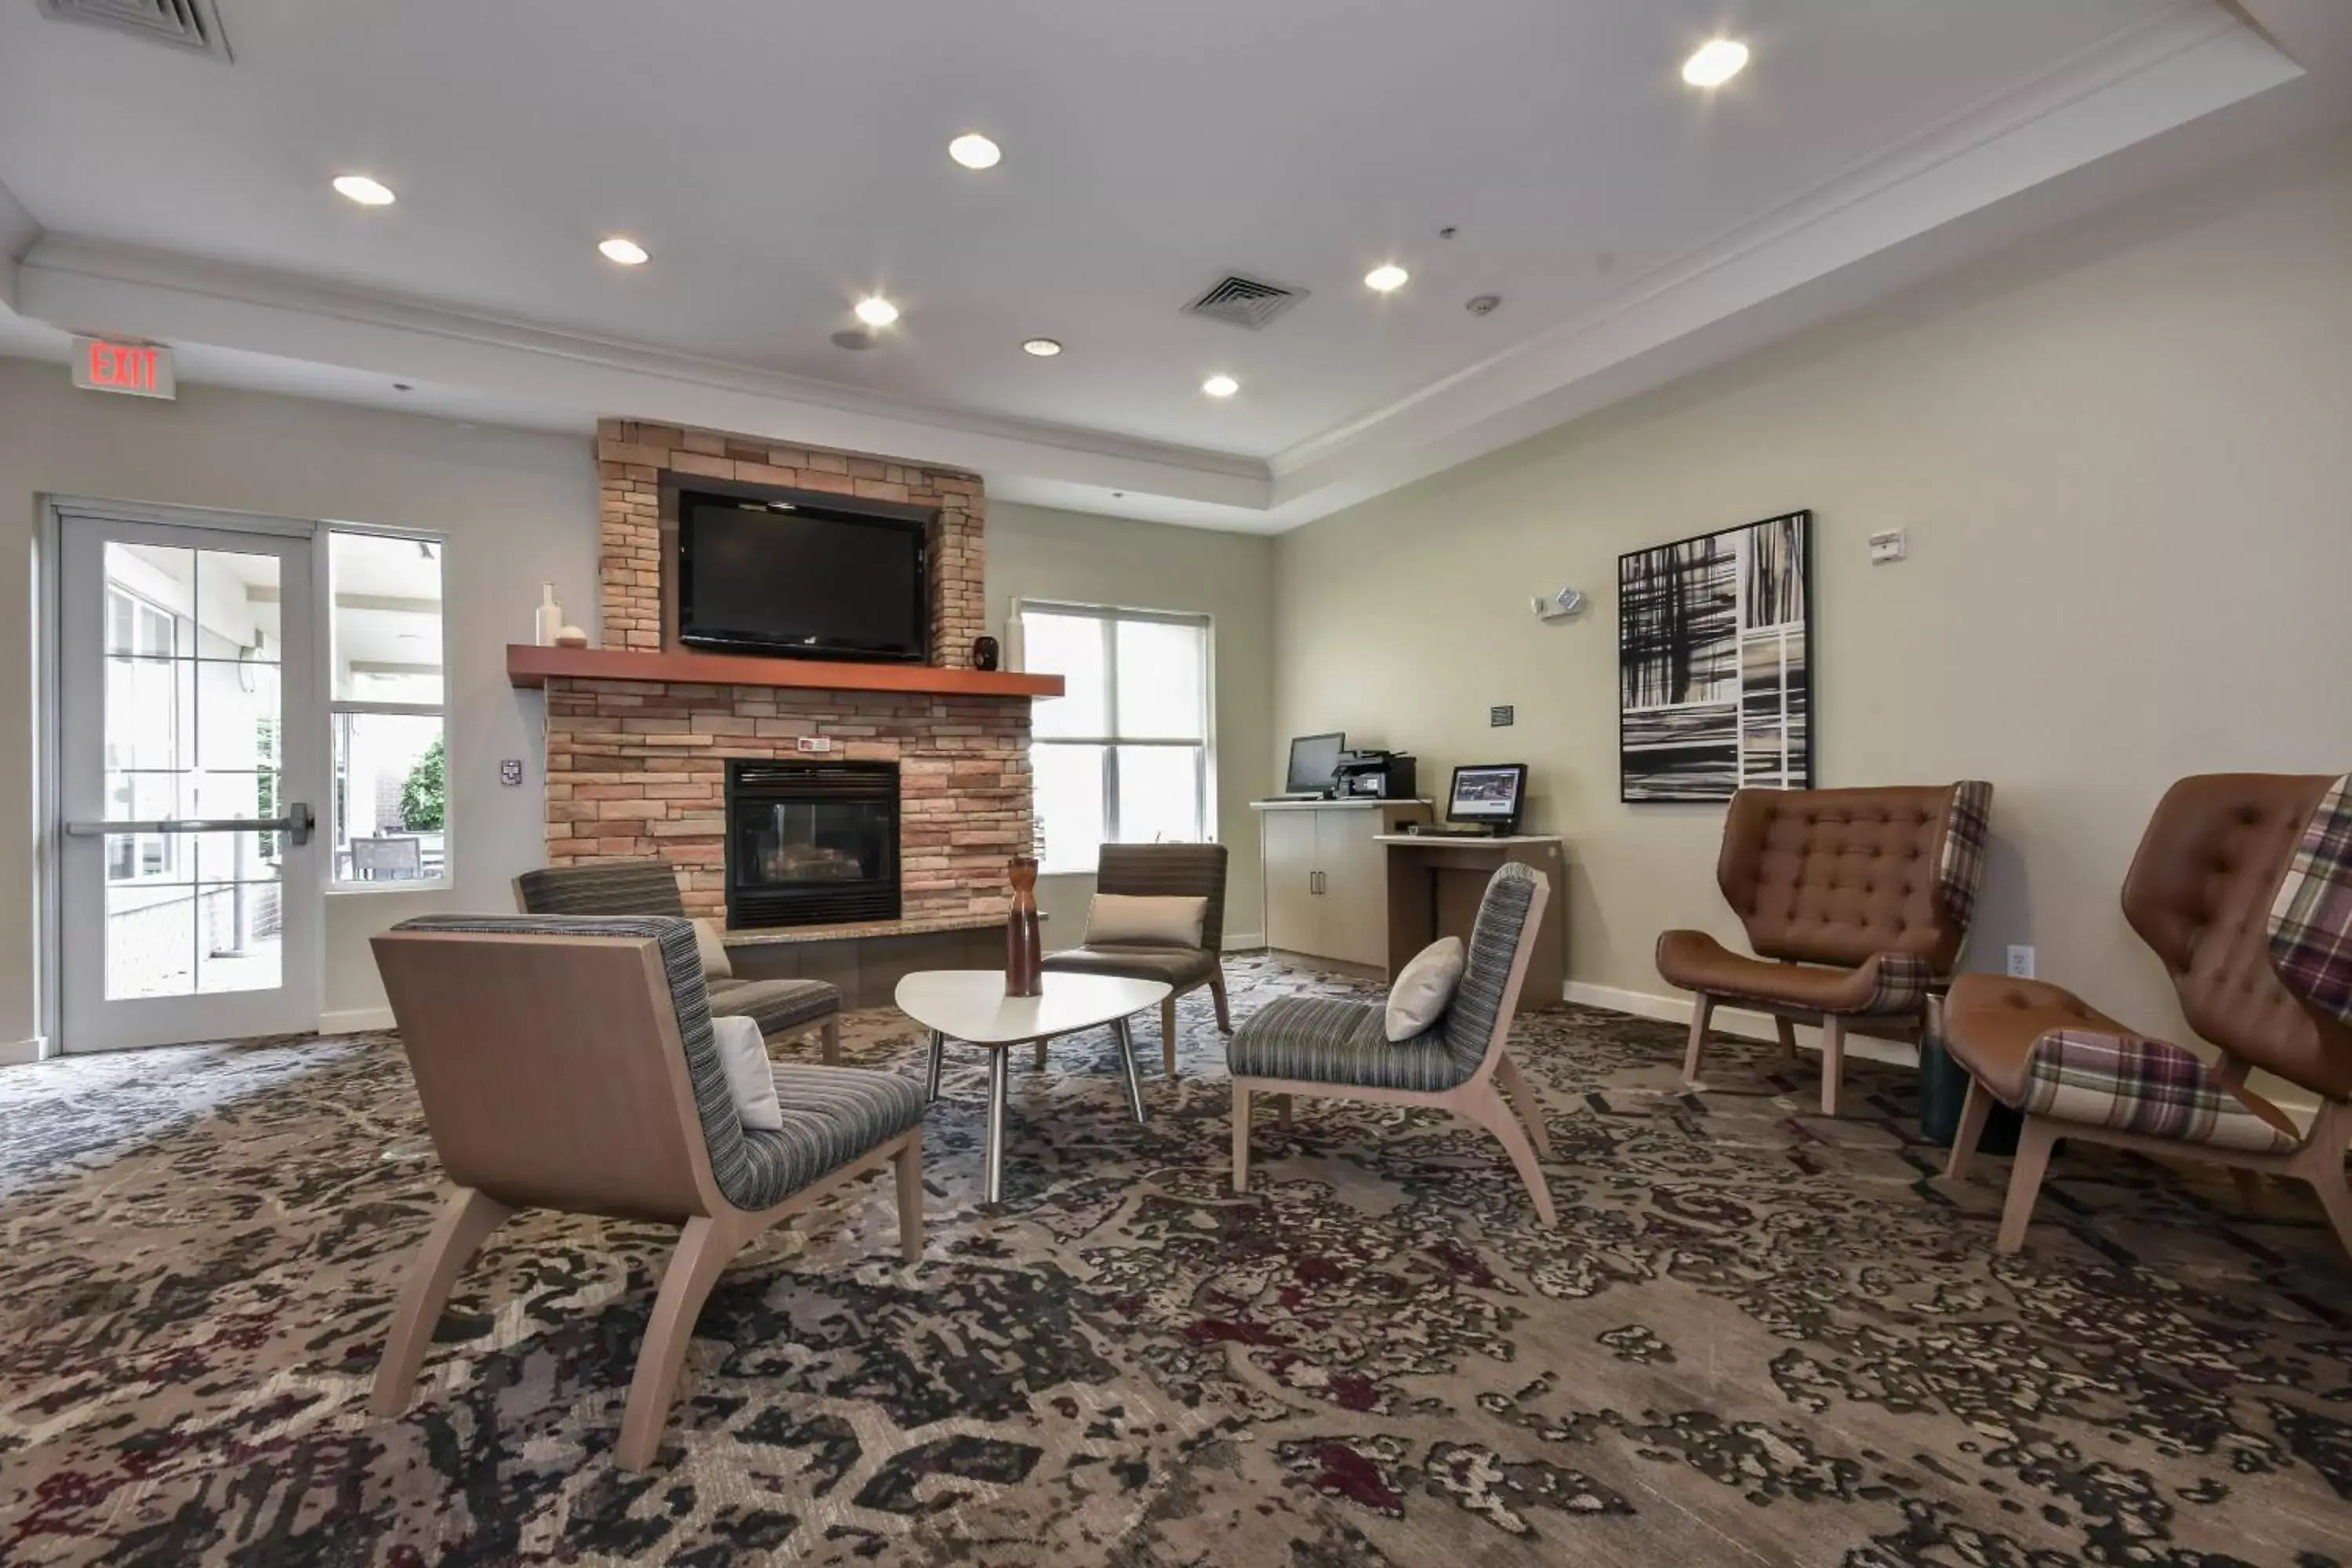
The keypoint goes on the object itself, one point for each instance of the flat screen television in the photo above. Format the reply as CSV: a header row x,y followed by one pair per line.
x,y
764,577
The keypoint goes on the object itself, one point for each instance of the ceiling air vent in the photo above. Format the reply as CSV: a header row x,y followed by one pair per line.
x,y
1244,302
190,25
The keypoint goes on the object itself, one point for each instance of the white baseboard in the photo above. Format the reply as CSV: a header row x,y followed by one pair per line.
x,y
1244,940
356,1021
1732,1021
17,1053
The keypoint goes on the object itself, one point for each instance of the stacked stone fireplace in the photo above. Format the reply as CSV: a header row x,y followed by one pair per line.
x,y
639,769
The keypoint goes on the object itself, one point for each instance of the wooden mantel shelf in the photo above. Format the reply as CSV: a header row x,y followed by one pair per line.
x,y
528,664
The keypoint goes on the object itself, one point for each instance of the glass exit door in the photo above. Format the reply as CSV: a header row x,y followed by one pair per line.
x,y
191,888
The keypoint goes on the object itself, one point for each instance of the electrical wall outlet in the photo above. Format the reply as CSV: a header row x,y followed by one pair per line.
x,y
2020,961
1890,545
815,743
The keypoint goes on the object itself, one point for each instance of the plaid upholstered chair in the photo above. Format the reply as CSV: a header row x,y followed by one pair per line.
x,y
2242,886
782,1009
568,1064
1340,1050
1161,870
1857,902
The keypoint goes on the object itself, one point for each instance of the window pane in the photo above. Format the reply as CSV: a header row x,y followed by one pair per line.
x,y
236,608
236,715
151,589
1160,681
149,708
238,938
1069,805
1072,647
387,618
391,797
1159,795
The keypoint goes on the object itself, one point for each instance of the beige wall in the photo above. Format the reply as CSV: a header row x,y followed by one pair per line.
x,y
1037,554
520,510
2124,458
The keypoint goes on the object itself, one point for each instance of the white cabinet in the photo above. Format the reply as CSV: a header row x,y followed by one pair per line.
x,y
1327,876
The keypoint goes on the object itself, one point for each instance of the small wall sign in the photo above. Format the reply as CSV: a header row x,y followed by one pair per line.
x,y
137,370
510,772
1502,716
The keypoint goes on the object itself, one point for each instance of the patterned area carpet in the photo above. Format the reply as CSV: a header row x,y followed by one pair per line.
x,y
1757,1337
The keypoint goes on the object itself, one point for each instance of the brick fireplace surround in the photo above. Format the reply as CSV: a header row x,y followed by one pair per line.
x,y
638,768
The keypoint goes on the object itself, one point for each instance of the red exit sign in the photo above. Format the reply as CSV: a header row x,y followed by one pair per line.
x,y
104,364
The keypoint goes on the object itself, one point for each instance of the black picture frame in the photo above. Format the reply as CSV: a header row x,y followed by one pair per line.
x,y
1661,628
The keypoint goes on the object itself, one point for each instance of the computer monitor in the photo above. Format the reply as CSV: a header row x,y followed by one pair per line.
x,y
1313,759
1489,794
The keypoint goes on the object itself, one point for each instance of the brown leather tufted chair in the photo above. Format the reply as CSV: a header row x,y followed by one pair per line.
x,y
1857,902
2242,886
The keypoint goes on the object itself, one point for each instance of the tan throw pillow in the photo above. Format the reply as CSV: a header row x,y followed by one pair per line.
x,y
1162,921
751,1076
713,949
1424,988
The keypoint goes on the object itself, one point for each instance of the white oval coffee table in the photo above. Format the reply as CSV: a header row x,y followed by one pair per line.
x,y
970,1005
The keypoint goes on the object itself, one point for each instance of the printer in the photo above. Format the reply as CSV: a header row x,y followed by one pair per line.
x,y
1373,775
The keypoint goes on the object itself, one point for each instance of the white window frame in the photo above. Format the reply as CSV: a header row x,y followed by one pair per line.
x,y
323,587
1110,616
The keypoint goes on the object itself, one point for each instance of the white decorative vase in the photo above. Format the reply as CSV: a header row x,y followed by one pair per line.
x,y
551,616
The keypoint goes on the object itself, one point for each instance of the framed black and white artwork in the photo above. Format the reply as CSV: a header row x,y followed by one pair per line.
x,y
1715,663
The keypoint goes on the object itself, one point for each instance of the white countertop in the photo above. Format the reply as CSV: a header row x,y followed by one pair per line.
x,y
970,1005
1451,840
1352,803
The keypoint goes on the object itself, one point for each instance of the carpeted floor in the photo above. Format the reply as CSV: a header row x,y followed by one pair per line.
x,y
1756,1337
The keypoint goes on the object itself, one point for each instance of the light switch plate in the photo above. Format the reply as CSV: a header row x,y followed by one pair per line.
x,y
1891,545
2020,961
815,743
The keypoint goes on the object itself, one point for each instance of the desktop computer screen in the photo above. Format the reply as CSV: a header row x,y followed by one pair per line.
x,y
1489,793
1313,759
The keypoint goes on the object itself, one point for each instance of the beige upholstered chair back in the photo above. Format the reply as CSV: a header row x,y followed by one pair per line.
x,y
551,1068
1170,870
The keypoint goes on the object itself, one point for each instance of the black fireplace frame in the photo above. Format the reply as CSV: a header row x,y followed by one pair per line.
x,y
754,781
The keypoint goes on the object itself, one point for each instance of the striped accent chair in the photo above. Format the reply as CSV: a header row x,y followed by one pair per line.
x,y
568,1063
1340,1050
1857,903
2242,887
782,1009
1161,870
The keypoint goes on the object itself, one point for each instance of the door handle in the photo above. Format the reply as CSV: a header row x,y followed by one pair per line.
x,y
296,824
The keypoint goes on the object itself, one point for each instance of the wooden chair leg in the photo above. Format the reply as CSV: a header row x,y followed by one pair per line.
x,y
1040,1054
701,1255
831,1036
1832,1063
1240,1136
1168,1033
1702,1010
1487,1109
1787,1029
1217,995
2249,1188
909,1163
2327,1182
2025,1173
1975,1112
1282,1112
1523,1100
466,1222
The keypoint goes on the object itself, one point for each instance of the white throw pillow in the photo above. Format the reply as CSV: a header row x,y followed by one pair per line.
x,y
751,1076
1167,922
716,965
1424,988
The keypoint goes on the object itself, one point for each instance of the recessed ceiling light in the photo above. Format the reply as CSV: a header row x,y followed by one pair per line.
x,y
1221,386
366,192
877,311
1717,62
627,252
1386,277
1044,348
975,150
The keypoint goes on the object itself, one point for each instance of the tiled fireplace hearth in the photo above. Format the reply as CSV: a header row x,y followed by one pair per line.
x,y
641,734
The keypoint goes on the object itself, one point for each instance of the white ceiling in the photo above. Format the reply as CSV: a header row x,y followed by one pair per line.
x,y
780,161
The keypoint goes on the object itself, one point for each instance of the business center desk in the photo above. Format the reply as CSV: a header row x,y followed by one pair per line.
x,y
1436,881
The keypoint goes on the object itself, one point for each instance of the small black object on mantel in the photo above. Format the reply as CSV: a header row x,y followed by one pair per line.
x,y
983,653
